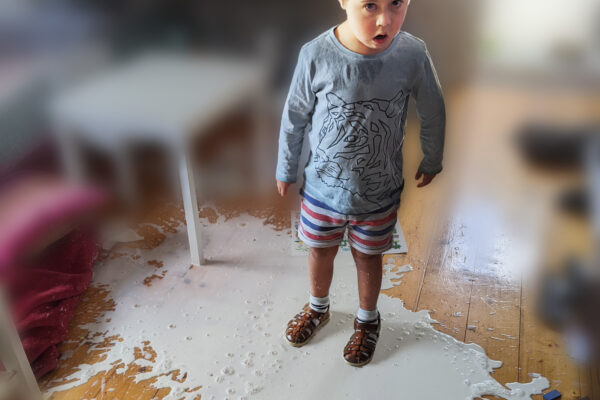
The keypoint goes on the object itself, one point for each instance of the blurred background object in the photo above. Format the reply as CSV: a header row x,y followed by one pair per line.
x,y
541,42
48,247
16,377
164,99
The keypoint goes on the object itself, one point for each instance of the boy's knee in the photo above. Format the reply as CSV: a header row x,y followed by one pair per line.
x,y
364,256
323,252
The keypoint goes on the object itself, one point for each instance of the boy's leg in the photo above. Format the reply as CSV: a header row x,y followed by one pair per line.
x,y
322,230
369,274
369,238
360,348
315,313
320,270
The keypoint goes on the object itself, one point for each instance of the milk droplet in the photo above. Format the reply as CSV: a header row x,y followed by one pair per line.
x,y
228,371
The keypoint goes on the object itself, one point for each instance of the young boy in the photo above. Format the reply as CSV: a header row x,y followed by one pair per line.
x,y
351,88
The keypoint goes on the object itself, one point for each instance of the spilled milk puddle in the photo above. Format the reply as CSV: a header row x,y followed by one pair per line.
x,y
217,331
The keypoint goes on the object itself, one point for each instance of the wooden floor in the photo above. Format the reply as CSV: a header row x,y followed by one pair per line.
x,y
475,237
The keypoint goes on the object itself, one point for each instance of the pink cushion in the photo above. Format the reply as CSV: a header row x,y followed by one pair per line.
x,y
46,259
35,210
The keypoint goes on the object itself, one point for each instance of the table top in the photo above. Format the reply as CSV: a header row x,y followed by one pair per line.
x,y
157,96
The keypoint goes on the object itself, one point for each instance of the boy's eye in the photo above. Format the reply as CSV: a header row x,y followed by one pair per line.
x,y
397,3
370,6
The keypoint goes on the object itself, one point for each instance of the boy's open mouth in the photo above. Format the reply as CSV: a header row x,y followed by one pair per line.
x,y
380,38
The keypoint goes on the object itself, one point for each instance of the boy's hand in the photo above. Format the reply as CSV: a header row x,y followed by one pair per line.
x,y
282,187
426,179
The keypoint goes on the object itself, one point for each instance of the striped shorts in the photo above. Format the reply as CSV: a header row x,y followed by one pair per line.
x,y
322,226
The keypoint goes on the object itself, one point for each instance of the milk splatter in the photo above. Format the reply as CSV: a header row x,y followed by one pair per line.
x,y
215,332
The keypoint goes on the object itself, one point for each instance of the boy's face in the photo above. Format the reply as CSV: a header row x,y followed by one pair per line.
x,y
374,23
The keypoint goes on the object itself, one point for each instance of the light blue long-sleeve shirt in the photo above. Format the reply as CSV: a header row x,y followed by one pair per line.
x,y
353,108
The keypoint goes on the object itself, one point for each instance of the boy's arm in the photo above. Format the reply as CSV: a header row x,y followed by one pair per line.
x,y
432,116
297,113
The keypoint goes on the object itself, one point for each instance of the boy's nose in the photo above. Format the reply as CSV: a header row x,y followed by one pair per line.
x,y
383,19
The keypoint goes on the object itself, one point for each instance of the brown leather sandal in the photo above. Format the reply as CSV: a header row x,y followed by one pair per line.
x,y
361,346
304,325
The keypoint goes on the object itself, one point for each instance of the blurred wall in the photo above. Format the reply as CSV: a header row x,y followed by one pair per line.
x,y
450,30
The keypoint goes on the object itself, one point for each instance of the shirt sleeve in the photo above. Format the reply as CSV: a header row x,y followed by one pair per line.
x,y
297,113
432,116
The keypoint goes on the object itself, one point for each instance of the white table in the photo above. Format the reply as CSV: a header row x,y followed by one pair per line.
x,y
160,97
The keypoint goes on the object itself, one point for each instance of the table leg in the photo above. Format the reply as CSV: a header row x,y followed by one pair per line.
x,y
125,174
70,154
190,205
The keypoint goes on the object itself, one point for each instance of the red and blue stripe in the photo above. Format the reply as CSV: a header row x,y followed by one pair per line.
x,y
322,226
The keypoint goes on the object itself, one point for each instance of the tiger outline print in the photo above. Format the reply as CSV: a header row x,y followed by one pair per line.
x,y
360,146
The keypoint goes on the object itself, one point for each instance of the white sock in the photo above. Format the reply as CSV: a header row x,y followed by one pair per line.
x,y
319,304
367,316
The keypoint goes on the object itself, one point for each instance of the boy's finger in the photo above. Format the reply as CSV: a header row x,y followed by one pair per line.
x,y
426,180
